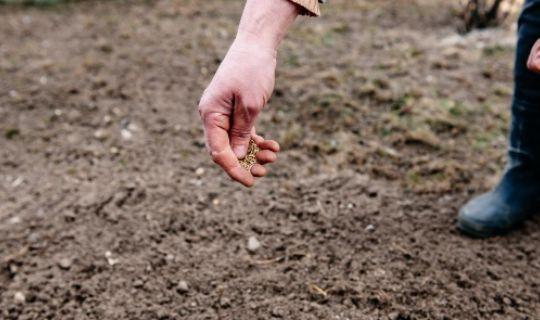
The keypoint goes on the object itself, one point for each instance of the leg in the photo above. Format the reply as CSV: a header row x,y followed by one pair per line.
x,y
517,196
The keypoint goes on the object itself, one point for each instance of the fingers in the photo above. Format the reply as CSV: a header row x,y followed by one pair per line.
x,y
228,161
269,148
217,141
534,58
266,156
244,116
257,138
268,145
258,171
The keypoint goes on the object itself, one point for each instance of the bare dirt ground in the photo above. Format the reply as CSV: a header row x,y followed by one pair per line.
x,y
389,120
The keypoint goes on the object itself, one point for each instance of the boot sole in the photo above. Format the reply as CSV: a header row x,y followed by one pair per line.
x,y
481,232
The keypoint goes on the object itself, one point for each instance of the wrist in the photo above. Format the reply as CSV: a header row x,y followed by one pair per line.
x,y
264,23
247,41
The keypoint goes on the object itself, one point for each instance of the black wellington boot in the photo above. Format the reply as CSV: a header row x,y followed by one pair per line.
x,y
517,196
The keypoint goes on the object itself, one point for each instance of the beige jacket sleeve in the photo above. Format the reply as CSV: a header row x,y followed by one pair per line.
x,y
310,7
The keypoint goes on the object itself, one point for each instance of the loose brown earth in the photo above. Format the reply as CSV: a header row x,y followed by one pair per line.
x,y
389,121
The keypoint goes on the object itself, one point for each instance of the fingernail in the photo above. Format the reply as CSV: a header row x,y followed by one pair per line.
x,y
240,151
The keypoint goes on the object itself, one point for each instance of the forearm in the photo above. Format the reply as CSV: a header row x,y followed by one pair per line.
x,y
265,22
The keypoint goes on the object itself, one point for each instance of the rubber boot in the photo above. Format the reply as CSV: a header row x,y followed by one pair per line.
x,y
517,196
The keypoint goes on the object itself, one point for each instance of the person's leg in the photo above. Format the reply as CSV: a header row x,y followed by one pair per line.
x,y
517,196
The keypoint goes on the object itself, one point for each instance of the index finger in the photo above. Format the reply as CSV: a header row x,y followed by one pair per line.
x,y
217,141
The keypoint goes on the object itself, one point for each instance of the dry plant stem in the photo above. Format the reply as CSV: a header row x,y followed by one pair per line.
x,y
317,290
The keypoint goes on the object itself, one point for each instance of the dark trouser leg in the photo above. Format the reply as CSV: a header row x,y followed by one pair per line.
x,y
517,196
525,128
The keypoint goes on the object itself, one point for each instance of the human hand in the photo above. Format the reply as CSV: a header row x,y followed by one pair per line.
x,y
230,105
534,59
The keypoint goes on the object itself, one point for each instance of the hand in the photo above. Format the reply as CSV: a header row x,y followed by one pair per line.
x,y
534,59
230,105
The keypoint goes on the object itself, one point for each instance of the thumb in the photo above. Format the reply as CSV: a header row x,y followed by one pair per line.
x,y
244,116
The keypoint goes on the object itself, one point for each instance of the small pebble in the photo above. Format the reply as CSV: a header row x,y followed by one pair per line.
x,y
199,171
70,216
19,297
33,237
114,150
17,182
182,287
65,263
13,269
253,244
126,134
100,134
225,302
13,94
110,260
14,220
370,228
393,316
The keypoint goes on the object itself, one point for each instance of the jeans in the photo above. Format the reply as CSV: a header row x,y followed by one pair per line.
x,y
524,147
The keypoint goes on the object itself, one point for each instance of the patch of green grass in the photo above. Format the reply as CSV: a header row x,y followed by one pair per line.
x,y
493,50
11,133
293,60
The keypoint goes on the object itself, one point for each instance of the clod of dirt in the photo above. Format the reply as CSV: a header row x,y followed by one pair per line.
x,y
182,287
19,297
253,244
278,312
138,283
225,302
249,160
65,263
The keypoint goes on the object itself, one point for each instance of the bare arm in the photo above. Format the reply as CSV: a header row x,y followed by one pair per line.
x,y
242,86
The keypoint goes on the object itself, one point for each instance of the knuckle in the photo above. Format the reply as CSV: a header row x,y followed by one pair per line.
x,y
253,105
253,109
210,117
242,132
203,109
215,157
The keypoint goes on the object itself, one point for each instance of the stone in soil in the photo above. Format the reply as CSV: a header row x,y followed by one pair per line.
x,y
65,263
182,287
253,244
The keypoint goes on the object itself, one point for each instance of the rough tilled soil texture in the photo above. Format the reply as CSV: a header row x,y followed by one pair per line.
x,y
110,207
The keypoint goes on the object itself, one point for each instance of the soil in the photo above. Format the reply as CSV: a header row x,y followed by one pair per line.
x,y
110,207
